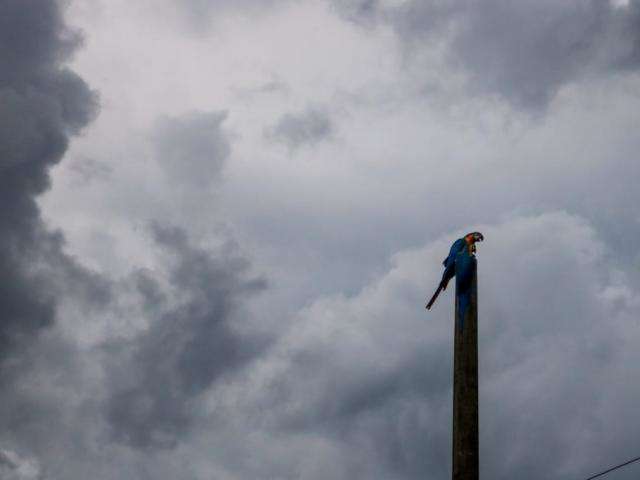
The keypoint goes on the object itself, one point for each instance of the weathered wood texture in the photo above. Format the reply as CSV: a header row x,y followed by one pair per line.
x,y
465,390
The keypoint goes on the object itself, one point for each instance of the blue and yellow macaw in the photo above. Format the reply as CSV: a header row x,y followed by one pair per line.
x,y
458,263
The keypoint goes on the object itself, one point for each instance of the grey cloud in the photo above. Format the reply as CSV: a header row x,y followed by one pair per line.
x,y
306,127
359,11
522,51
187,348
87,170
44,41
270,87
14,467
193,148
199,15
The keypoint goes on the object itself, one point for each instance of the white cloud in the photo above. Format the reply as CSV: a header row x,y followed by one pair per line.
x,y
353,371
15,467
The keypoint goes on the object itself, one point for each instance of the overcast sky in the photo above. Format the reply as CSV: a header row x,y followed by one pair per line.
x,y
222,219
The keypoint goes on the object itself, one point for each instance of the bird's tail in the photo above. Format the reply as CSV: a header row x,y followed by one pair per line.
x,y
435,295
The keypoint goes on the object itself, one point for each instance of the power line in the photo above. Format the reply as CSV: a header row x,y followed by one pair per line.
x,y
614,468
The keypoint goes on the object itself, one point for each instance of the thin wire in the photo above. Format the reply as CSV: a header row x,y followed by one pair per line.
x,y
613,468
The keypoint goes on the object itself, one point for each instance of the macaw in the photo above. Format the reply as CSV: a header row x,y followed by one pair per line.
x,y
458,262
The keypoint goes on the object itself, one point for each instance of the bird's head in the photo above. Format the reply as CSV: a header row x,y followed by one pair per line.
x,y
471,239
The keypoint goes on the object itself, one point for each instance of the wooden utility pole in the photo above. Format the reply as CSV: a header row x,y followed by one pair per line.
x,y
465,382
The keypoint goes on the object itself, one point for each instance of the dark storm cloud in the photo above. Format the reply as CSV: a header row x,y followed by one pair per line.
x,y
41,104
523,51
193,148
52,402
186,348
306,127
